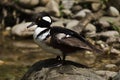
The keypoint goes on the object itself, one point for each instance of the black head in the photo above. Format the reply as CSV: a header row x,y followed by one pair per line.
x,y
42,20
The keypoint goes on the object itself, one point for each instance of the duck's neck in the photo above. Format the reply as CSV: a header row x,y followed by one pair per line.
x,y
41,33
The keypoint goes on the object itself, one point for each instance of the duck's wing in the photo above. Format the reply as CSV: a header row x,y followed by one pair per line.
x,y
73,39
68,40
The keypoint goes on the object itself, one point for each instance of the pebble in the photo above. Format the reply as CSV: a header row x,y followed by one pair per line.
x,y
43,2
107,34
110,66
106,74
113,40
60,22
110,19
21,29
40,9
76,8
53,8
96,6
82,13
104,24
116,77
115,51
28,3
113,11
90,30
66,12
72,23
67,4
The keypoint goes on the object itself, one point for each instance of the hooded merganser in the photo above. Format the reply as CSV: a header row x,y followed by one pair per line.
x,y
58,40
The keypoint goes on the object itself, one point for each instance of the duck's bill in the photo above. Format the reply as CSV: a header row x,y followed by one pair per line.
x,y
32,24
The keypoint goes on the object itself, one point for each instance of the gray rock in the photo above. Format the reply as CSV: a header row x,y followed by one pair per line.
x,y
88,1
107,34
115,3
110,19
116,77
96,6
113,11
60,22
40,9
113,40
66,12
115,51
43,2
103,45
76,8
71,24
82,13
90,30
106,74
104,23
67,4
52,69
110,66
21,29
28,3
53,8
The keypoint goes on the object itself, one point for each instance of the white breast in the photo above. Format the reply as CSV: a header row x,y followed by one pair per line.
x,y
40,41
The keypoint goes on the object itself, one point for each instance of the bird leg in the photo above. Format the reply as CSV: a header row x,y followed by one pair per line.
x,y
64,56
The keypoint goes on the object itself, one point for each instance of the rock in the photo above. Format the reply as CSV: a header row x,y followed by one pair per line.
x,y
21,30
53,8
113,11
115,3
113,40
103,45
82,13
28,3
110,19
116,45
66,12
115,51
106,74
43,2
71,24
40,9
67,4
107,34
96,6
104,24
90,58
88,1
53,69
116,77
60,22
110,66
76,8
90,30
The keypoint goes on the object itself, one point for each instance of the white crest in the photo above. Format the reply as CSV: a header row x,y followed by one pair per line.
x,y
47,18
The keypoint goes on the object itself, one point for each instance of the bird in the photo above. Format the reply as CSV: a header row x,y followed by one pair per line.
x,y
58,40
